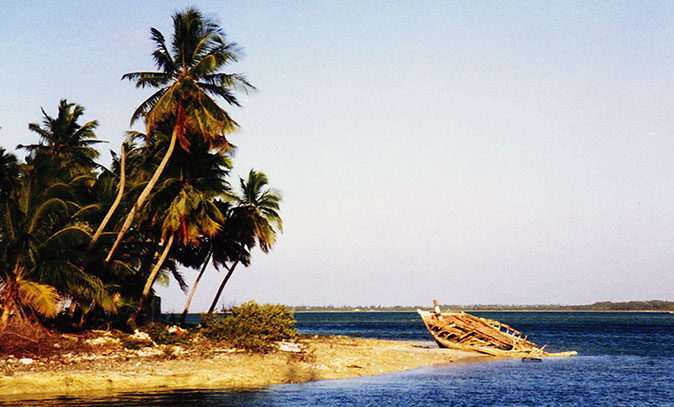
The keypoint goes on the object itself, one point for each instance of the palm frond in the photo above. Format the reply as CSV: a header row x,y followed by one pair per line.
x,y
95,207
67,237
223,92
163,105
228,80
147,105
41,298
161,55
147,78
47,207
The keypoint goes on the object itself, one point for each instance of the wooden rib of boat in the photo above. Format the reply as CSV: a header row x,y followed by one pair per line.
x,y
461,331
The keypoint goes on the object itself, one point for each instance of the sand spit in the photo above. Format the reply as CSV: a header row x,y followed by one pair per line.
x,y
326,357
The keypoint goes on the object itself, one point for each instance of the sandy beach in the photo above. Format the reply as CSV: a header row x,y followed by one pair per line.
x,y
154,368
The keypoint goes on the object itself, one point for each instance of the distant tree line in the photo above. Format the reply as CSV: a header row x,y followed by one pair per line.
x,y
654,305
83,245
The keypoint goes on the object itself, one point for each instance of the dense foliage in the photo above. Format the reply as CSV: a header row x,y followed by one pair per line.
x,y
251,326
82,245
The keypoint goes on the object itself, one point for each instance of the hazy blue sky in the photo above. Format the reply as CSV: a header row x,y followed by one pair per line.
x,y
496,152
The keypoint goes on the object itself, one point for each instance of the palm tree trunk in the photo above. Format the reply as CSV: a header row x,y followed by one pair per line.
x,y
8,302
194,288
118,199
6,310
143,195
222,286
155,270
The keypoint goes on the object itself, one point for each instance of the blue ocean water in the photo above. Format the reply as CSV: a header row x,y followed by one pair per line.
x,y
625,359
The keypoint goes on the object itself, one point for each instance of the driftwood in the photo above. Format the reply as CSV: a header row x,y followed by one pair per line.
x,y
461,331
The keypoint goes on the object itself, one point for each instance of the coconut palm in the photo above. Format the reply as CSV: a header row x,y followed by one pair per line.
x,y
66,140
188,76
183,207
41,256
253,220
221,249
9,187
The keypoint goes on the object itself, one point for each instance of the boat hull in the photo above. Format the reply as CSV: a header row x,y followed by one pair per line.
x,y
464,332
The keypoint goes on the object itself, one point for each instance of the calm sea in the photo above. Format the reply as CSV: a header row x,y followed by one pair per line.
x,y
625,359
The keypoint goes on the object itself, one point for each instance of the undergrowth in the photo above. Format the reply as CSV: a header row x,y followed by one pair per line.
x,y
251,326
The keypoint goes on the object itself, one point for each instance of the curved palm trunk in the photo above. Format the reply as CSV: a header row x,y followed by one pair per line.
x,y
6,310
222,286
154,272
143,195
118,199
194,288
10,293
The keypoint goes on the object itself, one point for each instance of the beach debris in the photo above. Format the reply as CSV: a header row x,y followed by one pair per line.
x,y
530,359
461,331
26,361
291,347
141,336
176,330
102,340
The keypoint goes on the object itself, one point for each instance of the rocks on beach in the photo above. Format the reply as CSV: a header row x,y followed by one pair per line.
x,y
101,362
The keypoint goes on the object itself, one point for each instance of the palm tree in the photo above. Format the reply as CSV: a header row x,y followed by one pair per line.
x,y
183,207
253,220
43,219
187,78
66,140
222,248
41,257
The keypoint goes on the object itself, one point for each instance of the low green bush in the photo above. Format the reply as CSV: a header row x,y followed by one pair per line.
x,y
161,336
251,326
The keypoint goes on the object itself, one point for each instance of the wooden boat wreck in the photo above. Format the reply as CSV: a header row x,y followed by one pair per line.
x,y
461,331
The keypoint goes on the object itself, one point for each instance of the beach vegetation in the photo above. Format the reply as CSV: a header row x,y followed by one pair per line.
x,y
161,335
82,245
251,326
44,228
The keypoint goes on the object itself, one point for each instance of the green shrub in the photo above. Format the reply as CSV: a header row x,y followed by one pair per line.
x,y
251,326
128,343
161,336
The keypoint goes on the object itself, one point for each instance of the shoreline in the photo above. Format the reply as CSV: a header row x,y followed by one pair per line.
x,y
325,358
489,310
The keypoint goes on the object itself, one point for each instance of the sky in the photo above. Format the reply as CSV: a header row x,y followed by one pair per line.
x,y
470,152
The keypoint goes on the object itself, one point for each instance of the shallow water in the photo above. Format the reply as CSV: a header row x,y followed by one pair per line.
x,y
625,359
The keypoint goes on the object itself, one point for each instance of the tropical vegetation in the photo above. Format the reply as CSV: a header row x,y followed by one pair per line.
x,y
82,245
251,326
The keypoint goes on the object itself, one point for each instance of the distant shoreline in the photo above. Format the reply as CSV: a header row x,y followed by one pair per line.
x,y
654,306
483,310
603,306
